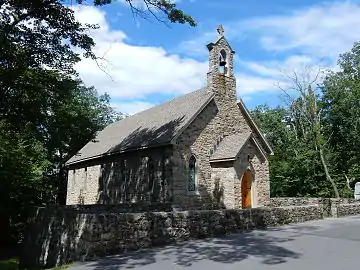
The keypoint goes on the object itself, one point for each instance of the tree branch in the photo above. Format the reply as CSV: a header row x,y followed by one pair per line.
x,y
347,182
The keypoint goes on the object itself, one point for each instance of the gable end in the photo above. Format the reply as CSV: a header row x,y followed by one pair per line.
x,y
255,128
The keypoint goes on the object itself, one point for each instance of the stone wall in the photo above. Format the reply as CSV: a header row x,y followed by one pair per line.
x,y
59,235
143,175
331,207
292,201
351,209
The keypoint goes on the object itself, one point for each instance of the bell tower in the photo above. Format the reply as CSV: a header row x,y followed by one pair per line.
x,y
220,77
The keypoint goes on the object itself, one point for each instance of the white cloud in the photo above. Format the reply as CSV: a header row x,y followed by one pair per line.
x,y
275,68
323,30
135,71
307,37
310,37
139,71
247,84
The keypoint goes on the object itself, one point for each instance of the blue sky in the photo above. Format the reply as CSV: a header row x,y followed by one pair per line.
x,y
147,62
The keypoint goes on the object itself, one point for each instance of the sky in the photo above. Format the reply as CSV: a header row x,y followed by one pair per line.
x,y
146,62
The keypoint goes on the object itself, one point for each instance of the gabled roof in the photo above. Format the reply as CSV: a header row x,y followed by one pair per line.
x,y
230,147
153,127
213,44
251,122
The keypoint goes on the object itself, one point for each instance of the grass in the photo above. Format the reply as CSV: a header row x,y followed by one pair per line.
x,y
12,264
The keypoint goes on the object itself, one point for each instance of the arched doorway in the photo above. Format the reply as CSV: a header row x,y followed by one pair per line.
x,y
246,190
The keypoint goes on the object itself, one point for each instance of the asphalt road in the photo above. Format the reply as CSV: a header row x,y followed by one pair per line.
x,y
332,244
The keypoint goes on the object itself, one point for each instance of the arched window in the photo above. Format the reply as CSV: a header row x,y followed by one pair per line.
x,y
223,66
192,174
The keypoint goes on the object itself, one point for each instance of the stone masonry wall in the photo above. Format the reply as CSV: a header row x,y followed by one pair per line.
x,y
220,118
331,207
291,201
59,235
223,190
259,168
143,175
343,210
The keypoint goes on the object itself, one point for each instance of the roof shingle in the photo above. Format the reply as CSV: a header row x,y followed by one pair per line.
x,y
155,126
230,146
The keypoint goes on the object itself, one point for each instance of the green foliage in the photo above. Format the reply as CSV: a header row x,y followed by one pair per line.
x,y
22,162
329,121
13,264
341,103
47,114
294,168
10,264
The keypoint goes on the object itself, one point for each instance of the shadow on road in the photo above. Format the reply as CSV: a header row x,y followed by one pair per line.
x,y
225,250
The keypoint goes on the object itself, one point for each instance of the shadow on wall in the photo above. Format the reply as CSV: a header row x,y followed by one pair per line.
x,y
218,195
143,175
146,175
55,237
60,235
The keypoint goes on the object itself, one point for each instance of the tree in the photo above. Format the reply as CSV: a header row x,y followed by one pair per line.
x,y
32,158
22,161
293,172
341,110
306,141
309,115
73,122
32,35
32,46
47,114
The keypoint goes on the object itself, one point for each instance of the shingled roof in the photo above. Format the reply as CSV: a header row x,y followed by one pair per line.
x,y
153,127
230,146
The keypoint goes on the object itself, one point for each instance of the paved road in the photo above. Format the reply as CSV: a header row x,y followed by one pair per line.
x,y
332,244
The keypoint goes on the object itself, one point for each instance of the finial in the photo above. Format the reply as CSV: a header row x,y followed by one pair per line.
x,y
220,30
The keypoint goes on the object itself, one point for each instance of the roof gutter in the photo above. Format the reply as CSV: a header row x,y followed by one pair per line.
x,y
114,153
222,160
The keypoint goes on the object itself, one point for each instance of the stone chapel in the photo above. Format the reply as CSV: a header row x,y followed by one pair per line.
x,y
201,150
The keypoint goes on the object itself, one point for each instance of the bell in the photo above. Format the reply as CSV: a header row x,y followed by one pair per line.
x,y
222,63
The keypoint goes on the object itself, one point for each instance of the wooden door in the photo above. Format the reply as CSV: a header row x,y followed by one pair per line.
x,y
246,190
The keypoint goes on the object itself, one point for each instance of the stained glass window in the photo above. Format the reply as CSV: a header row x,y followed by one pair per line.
x,y
192,174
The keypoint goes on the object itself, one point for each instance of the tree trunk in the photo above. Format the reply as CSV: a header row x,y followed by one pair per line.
x,y
348,182
328,177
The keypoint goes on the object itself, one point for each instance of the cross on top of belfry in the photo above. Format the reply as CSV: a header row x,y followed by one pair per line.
x,y
220,30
